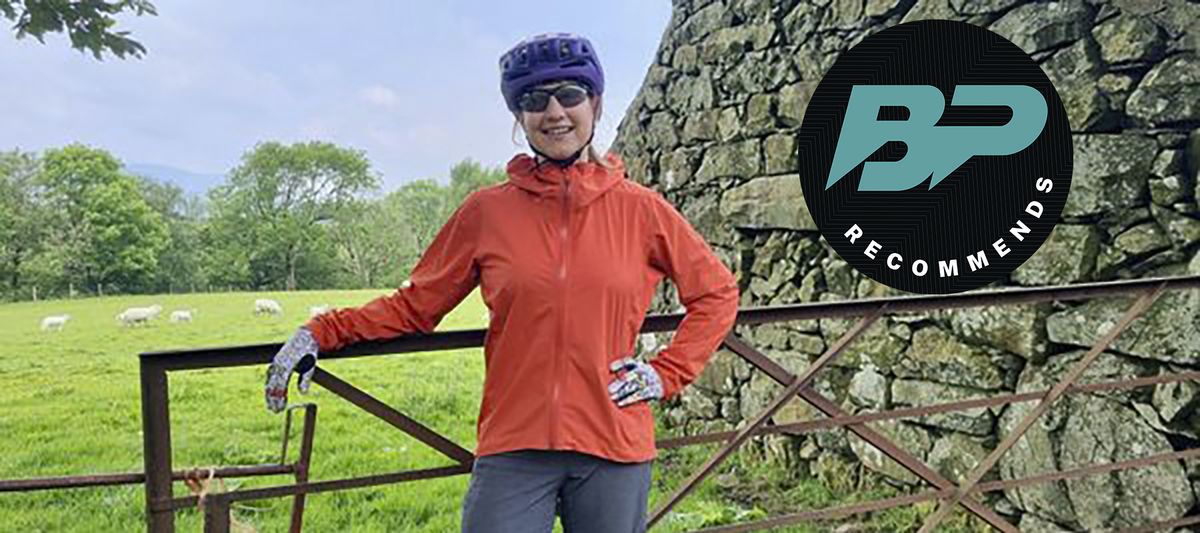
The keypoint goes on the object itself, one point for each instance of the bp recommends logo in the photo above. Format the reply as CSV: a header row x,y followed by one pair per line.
x,y
935,157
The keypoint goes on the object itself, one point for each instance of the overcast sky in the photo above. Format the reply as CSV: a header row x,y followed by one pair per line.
x,y
413,84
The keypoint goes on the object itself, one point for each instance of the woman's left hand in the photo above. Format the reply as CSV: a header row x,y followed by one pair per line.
x,y
638,382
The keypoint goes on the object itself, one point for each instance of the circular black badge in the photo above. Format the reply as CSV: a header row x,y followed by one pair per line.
x,y
935,156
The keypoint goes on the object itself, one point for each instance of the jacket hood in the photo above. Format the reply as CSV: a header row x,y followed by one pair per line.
x,y
589,180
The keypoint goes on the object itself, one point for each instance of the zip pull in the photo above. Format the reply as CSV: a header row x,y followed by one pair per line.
x,y
564,229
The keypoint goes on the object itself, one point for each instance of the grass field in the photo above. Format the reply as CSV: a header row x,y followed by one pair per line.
x,y
71,406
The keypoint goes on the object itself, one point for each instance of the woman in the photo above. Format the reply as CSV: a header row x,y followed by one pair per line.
x,y
568,253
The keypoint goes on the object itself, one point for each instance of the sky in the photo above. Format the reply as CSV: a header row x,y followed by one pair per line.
x,y
415,85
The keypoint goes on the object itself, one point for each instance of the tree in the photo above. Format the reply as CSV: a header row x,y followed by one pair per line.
x,y
179,261
278,203
366,241
101,231
127,237
21,217
424,207
466,177
88,23
378,242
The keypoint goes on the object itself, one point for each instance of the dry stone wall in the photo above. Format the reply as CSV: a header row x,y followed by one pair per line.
x,y
713,128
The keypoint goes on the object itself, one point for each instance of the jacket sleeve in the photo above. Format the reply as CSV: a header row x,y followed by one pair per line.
x,y
446,273
706,287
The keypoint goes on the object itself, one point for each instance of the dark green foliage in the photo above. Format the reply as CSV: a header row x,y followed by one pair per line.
x,y
89,24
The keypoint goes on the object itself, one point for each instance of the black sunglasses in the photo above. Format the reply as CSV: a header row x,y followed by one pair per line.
x,y
568,95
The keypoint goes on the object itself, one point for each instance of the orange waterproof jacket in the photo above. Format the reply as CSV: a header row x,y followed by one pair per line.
x,y
568,261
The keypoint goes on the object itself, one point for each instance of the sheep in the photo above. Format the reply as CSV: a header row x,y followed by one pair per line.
x,y
182,315
317,310
265,306
55,322
138,315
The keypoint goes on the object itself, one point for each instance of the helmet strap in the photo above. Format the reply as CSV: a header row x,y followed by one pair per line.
x,y
566,161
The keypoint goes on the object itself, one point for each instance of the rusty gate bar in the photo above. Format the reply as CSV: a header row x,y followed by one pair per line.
x,y
256,354
1140,306
133,478
782,399
872,437
1061,475
314,487
160,502
807,426
386,413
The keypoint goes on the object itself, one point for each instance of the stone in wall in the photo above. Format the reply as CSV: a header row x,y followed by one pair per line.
x,y
908,437
1169,93
955,456
1167,332
1085,429
767,203
1110,173
1018,329
1075,72
937,356
978,421
1130,39
1068,256
1036,27
1100,431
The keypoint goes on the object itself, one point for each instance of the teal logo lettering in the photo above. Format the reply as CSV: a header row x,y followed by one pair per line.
x,y
932,150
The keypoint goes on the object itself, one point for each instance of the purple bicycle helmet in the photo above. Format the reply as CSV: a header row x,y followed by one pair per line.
x,y
546,57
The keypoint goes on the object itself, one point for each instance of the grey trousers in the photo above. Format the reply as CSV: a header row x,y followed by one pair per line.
x,y
520,492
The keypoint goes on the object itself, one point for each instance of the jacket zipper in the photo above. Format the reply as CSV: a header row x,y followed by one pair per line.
x,y
564,246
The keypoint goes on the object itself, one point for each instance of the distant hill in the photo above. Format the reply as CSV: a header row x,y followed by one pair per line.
x,y
190,182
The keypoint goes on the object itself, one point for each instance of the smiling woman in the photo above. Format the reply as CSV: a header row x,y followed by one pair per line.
x,y
568,254
556,98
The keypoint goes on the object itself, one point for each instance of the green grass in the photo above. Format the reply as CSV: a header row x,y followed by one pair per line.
x,y
71,406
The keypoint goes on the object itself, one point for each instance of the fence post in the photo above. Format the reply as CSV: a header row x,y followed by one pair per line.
x,y
156,443
216,514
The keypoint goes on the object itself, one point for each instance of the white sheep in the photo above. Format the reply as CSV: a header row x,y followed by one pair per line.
x,y
182,315
138,315
55,322
265,306
317,310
